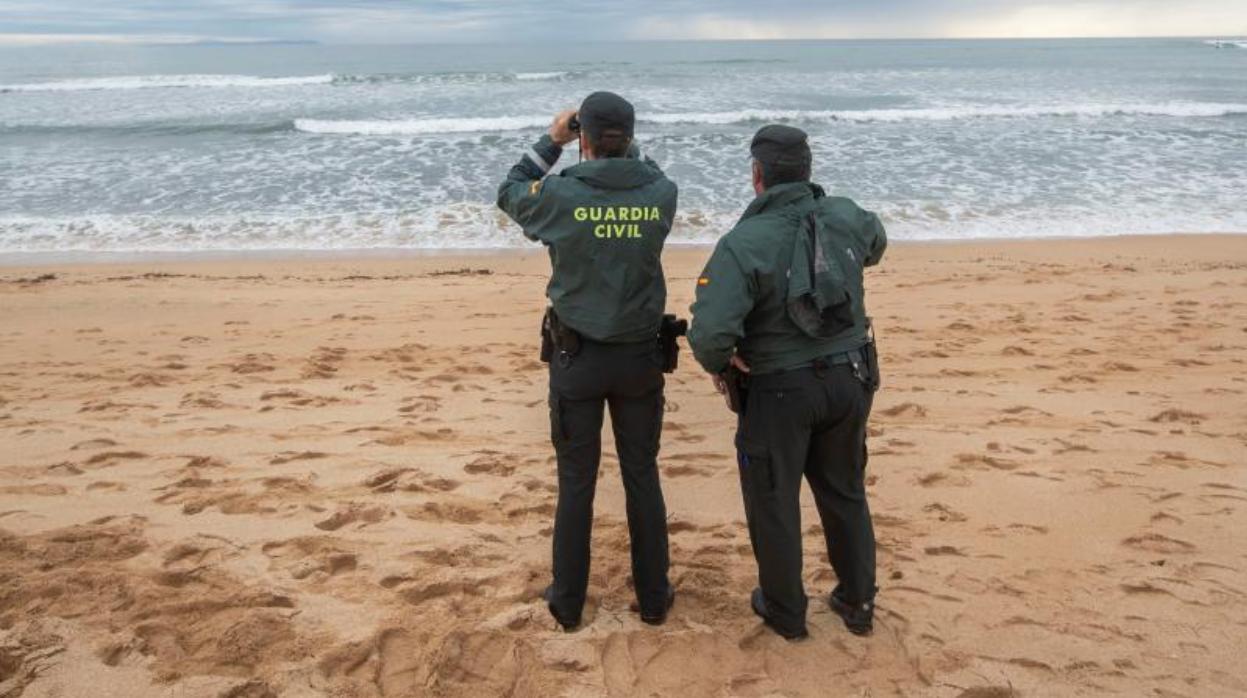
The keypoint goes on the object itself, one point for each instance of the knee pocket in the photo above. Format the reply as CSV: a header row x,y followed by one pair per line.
x,y
757,472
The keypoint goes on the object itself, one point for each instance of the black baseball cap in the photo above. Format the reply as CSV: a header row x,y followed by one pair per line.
x,y
606,111
781,145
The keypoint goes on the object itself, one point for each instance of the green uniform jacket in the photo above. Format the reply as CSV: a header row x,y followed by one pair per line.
x,y
741,301
604,223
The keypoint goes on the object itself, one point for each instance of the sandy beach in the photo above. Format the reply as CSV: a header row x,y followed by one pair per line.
x,y
251,478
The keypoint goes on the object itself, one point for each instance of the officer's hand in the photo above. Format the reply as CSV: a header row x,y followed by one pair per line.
x,y
560,132
720,384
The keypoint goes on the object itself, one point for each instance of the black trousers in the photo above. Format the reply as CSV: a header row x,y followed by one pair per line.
x,y
812,423
628,378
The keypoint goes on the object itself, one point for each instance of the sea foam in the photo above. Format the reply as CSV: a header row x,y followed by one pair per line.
x,y
553,75
378,127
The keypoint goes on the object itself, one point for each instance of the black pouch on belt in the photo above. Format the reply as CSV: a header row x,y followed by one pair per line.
x,y
547,337
671,329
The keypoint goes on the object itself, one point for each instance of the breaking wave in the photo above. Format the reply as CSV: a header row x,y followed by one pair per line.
x,y
376,127
1227,43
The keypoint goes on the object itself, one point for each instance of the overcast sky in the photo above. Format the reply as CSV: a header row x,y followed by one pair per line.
x,y
417,21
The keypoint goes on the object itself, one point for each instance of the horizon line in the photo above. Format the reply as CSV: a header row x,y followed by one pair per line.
x,y
8,40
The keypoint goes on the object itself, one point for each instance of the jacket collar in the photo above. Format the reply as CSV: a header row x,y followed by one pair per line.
x,y
783,195
614,173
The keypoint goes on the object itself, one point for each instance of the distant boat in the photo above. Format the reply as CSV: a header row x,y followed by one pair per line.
x,y
1227,43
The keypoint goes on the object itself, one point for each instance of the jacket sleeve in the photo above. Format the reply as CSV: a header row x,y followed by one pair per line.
x,y
726,293
522,194
876,238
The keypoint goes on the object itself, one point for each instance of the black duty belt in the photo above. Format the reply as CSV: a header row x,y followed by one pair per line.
x,y
856,358
850,357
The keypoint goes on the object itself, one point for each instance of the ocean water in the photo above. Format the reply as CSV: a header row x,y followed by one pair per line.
x,y
330,147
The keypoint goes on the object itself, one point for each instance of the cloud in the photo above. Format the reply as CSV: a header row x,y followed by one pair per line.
x,y
396,21
963,19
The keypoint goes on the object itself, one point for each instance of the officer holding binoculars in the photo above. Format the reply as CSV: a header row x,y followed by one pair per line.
x,y
603,222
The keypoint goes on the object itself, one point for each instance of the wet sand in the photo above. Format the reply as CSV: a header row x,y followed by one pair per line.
x,y
332,477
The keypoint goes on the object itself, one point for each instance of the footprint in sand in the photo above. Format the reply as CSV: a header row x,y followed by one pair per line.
x,y
315,557
1158,543
253,363
352,513
324,363
291,456
202,399
905,408
978,461
944,512
92,444
110,458
402,438
684,470
940,478
491,463
105,406
41,489
1180,416
421,403
297,398
461,512
407,480
149,380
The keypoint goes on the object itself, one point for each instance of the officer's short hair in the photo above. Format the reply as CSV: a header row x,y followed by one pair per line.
x,y
775,173
609,143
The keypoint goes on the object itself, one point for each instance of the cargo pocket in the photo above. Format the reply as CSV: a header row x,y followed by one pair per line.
x,y
759,473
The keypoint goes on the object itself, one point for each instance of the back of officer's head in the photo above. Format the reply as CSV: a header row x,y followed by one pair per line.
x,y
607,122
781,154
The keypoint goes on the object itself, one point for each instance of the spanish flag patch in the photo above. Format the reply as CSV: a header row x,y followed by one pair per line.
x,y
703,281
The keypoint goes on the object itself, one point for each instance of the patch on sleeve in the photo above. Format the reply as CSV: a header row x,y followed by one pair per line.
x,y
703,281
535,187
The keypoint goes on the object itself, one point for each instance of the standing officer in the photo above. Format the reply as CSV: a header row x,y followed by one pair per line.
x,y
604,222
780,306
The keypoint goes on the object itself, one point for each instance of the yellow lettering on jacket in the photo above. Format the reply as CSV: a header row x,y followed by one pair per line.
x,y
604,219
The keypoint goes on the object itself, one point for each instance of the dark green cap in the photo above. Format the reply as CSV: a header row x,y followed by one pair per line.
x,y
781,145
606,111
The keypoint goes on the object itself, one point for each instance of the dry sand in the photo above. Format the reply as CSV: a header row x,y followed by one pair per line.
x,y
300,478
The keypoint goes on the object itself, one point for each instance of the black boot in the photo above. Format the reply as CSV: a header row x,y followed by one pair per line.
x,y
757,601
567,625
655,618
859,618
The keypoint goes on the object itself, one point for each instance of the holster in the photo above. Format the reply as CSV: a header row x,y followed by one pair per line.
x,y
671,329
547,339
557,337
736,388
871,351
